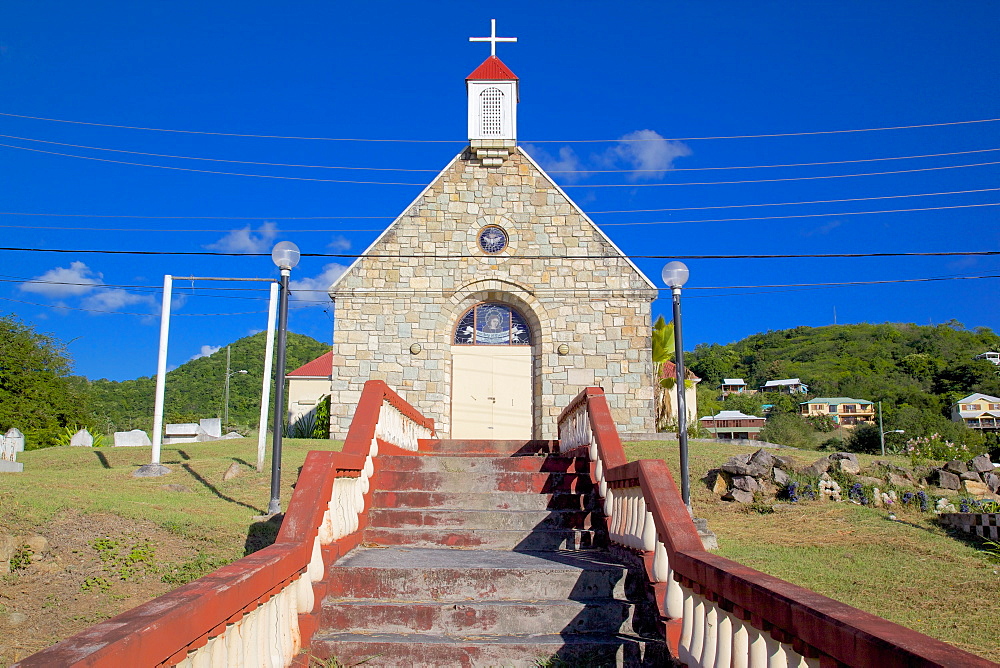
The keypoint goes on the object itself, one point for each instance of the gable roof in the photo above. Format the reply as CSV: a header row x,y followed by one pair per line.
x,y
733,381
321,367
835,400
783,382
420,197
492,69
731,415
978,396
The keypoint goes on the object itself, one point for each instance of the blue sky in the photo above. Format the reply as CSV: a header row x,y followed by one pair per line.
x,y
591,74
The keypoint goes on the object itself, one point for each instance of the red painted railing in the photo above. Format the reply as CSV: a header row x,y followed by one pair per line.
x,y
220,619
715,611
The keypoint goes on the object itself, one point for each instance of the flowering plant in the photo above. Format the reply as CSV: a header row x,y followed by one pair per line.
x,y
935,447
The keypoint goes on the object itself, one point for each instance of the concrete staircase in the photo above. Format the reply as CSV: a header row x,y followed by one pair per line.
x,y
486,553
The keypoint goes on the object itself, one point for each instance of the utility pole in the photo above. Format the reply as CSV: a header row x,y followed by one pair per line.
x,y
225,413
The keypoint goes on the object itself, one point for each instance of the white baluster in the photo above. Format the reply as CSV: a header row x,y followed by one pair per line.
x,y
251,639
373,448
316,568
724,642
711,634
775,653
629,517
234,645
675,596
661,563
698,632
609,508
741,644
200,658
758,647
272,638
649,535
687,630
305,598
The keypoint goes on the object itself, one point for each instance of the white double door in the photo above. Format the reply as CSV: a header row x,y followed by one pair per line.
x,y
491,392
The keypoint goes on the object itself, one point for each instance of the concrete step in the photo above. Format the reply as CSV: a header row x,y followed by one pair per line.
x,y
494,501
545,483
484,464
488,447
519,520
489,539
414,573
477,617
515,651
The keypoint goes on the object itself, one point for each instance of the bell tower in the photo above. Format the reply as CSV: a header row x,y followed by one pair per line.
x,y
493,96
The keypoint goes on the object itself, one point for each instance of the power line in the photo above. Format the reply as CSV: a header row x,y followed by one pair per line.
x,y
272,218
209,171
791,178
456,256
579,185
601,224
545,141
804,215
554,171
799,164
817,201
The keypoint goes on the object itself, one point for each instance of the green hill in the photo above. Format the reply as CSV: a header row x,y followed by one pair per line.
x,y
194,390
917,371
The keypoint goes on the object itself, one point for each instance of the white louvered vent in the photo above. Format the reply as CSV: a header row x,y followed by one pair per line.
x,y
491,115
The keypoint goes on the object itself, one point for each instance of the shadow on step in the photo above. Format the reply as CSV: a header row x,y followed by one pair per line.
x,y
618,621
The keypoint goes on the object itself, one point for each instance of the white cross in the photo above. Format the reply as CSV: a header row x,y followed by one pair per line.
x,y
493,39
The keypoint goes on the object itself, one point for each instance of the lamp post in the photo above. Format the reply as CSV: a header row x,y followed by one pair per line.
x,y
229,374
285,255
675,275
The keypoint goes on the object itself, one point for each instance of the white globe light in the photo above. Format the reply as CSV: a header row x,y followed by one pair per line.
x,y
285,255
675,274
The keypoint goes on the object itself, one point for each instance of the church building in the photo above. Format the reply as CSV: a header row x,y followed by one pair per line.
x,y
493,299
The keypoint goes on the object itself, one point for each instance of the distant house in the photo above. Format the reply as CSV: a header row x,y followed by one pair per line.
x,y
844,411
733,424
669,397
978,411
307,386
989,357
733,386
786,386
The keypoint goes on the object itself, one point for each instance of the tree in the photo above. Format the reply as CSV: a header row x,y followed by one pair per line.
x,y
37,394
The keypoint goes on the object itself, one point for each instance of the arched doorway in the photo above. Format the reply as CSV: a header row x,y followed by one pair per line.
x,y
491,389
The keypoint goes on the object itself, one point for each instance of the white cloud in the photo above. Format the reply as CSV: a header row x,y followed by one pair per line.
x,y
72,281
314,289
206,351
246,240
567,160
652,154
112,299
339,243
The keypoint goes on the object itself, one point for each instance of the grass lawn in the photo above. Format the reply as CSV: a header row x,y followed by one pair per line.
x,y
91,480
909,571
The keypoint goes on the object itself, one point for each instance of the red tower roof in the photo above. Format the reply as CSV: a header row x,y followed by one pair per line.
x,y
321,366
492,69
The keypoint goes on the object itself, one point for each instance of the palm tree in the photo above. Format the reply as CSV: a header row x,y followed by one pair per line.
x,y
663,350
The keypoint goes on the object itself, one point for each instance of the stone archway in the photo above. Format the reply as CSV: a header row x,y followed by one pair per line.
x,y
494,388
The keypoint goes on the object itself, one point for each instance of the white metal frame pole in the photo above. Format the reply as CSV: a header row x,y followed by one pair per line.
x,y
265,395
161,369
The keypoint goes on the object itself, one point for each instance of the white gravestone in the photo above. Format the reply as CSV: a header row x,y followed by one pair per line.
x,y
212,427
82,439
10,444
184,432
131,439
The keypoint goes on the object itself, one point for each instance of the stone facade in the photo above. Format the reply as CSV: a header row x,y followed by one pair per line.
x,y
571,284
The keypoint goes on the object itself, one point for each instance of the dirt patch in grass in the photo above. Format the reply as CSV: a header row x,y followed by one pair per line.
x,y
70,586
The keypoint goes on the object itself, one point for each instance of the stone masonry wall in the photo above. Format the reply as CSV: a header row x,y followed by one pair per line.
x,y
598,306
